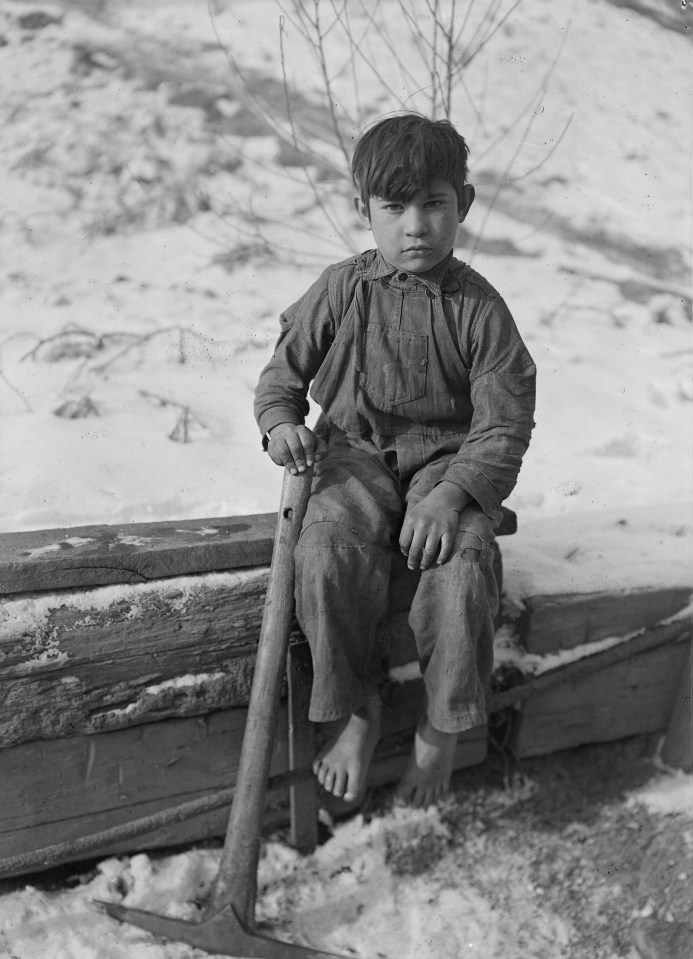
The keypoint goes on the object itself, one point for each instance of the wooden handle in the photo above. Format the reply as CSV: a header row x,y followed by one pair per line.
x,y
236,882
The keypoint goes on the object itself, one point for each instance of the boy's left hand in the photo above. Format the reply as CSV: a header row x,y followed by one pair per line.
x,y
429,528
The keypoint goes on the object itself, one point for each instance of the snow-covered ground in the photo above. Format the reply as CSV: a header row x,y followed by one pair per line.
x,y
479,876
151,229
591,251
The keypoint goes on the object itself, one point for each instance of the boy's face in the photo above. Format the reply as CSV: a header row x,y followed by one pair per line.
x,y
415,236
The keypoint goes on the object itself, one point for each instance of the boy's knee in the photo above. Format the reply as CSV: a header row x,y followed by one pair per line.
x,y
471,555
469,546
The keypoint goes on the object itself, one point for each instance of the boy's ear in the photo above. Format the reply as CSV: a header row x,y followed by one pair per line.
x,y
465,203
362,210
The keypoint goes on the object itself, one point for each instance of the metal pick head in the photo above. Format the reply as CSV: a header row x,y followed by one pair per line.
x,y
222,933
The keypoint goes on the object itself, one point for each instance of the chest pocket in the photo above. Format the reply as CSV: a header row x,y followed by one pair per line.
x,y
392,364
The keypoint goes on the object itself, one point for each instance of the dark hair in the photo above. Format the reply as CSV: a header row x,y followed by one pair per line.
x,y
397,156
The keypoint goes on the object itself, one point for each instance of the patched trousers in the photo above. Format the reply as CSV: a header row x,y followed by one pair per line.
x,y
343,562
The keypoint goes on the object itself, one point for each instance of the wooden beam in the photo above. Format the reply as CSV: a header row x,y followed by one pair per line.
x,y
104,659
566,620
303,796
81,556
677,750
628,697
62,789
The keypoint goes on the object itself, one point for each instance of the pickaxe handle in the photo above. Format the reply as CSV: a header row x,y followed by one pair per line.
x,y
236,882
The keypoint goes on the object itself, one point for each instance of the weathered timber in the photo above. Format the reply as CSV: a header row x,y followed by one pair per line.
x,y
88,661
81,556
107,658
62,789
677,750
303,799
664,634
151,825
571,619
628,697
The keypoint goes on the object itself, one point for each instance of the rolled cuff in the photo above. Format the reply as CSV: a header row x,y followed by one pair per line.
x,y
276,415
478,486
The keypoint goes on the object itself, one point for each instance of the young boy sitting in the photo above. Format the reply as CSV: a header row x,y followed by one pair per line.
x,y
427,397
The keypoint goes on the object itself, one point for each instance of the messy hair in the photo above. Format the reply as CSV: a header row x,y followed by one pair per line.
x,y
397,156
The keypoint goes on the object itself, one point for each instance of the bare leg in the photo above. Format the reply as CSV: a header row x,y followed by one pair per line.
x,y
427,775
341,768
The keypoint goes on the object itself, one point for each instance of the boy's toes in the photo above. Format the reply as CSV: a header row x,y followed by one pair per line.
x,y
327,781
351,795
339,784
321,773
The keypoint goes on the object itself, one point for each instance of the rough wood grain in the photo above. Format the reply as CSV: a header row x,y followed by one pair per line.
x,y
62,790
107,658
65,788
571,619
625,699
82,556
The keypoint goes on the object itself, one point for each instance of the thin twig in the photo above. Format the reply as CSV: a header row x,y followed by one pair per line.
x,y
147,338
537,166
16,391
300,148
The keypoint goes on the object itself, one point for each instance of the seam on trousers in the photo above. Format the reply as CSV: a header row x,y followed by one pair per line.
x,y
337,522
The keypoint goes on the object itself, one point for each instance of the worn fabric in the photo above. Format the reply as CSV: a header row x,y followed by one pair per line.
x,y
421,365
420,379
343,563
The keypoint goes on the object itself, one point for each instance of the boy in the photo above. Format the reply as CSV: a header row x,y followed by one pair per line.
x,y
427,397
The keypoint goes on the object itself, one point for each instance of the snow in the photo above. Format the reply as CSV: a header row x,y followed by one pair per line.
x,y
671,793
344,898
611,422
133,288
347,897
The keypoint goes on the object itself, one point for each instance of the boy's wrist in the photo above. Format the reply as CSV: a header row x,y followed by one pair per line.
x,y
455,497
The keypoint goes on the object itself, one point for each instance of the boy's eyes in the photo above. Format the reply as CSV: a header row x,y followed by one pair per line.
x,y
398,207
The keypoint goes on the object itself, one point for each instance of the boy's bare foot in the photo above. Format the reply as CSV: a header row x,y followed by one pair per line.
x,y
426,778
342,766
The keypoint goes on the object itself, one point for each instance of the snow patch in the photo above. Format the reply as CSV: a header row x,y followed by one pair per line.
x,y
669,794
30,616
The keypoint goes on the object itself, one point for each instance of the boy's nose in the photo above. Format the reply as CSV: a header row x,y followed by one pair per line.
x,y
416,222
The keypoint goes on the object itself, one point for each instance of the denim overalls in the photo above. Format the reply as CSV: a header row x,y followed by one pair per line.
x,y
419,379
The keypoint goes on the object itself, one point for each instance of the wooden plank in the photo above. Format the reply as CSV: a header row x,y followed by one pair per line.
x,y
303,802
677,750
61,790
627,698
571,619
116,656
81,556
65,788
95,660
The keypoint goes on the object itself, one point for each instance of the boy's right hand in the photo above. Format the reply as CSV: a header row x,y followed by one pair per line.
x,y
295,447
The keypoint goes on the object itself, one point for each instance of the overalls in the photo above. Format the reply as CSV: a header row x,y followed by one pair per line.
x,y
394,428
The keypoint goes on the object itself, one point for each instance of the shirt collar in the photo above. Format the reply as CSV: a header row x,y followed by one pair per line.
x,y
432,279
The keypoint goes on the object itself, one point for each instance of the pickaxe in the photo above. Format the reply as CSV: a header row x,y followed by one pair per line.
x,y
228,923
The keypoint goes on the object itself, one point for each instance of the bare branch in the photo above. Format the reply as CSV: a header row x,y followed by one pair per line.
x,y
547,156
292,126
